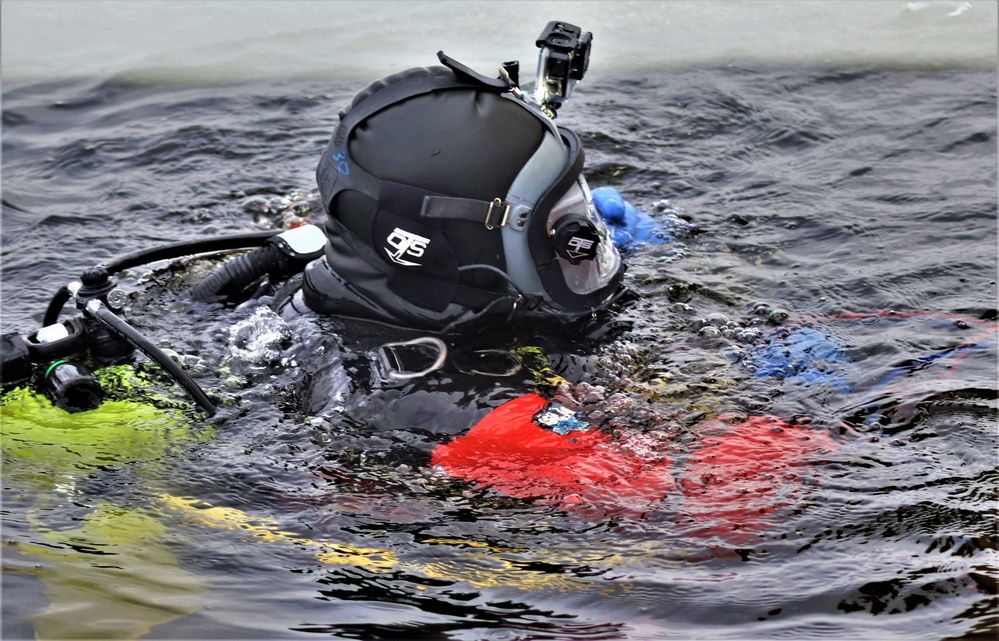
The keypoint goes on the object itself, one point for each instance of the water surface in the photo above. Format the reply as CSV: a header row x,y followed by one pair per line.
x,y
854,199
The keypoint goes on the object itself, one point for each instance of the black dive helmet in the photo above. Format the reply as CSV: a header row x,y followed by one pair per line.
x,y
450,197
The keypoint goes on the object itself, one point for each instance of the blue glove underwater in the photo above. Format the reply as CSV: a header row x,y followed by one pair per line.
x,y
801,355
628,226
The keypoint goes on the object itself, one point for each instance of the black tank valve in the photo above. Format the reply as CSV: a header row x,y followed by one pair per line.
x,y
72,387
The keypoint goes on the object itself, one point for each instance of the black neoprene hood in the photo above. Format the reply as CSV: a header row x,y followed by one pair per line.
x,y
437,191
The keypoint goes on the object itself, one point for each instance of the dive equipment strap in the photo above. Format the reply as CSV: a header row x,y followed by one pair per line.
x,y
412,286
491,214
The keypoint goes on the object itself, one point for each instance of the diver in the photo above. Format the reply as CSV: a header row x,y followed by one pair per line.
x,y
456,214
455,209
464,271
459,220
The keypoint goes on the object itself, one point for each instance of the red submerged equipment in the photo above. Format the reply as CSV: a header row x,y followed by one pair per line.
x,y
744,469
509,452
727,485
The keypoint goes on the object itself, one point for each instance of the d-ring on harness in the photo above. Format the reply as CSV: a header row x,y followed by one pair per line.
x,y
391,366
391,361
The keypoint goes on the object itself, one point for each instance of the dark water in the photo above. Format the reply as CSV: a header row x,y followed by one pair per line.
x,y
861,203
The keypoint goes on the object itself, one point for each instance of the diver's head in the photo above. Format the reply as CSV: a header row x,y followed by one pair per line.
x,y
450,197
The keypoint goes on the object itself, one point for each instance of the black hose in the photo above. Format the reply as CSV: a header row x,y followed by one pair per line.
x,y
164,252
237,274
55,306
129,333
187,248
240,273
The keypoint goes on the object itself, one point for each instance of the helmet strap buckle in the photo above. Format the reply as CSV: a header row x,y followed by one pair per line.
x,y
498,206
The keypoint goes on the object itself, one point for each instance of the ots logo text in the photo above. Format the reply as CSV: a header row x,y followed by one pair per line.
x,y
405,245
580,247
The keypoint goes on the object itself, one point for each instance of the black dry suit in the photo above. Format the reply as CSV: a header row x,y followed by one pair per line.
x,y
452,202
447,200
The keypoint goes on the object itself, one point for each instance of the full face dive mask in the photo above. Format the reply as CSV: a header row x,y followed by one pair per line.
x,y
450,197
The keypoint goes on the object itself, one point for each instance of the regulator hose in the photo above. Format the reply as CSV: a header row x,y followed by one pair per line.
x,y
55,306
237,274
117,324
189,247
164,252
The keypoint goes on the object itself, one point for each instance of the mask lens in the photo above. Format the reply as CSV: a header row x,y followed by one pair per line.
x,y
584,268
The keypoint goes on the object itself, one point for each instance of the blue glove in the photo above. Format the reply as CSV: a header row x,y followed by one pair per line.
x,y
803,355
628,226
